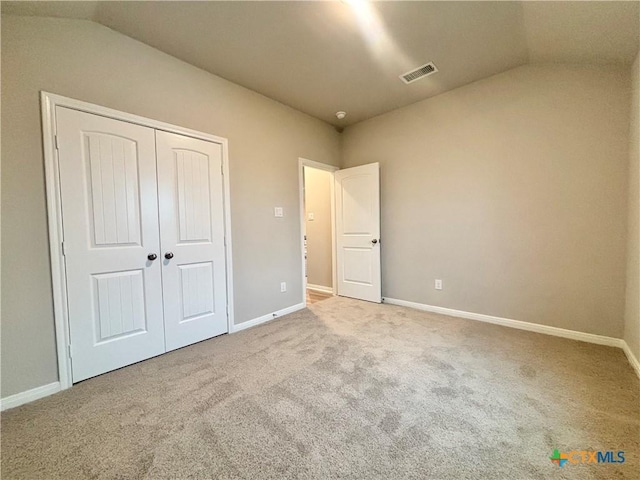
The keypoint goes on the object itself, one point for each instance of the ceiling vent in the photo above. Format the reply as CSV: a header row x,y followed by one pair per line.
x,y
418,73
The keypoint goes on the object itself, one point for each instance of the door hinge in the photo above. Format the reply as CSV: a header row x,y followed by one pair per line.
x,y
69,350
57,143
222,168
64,253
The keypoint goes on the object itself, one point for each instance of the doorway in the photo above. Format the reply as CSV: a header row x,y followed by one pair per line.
x,y
352,234
317,211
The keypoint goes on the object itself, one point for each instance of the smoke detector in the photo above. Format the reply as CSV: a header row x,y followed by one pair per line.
x,y
418,73
341,115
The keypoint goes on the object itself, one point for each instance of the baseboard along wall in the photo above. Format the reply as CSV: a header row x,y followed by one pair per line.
x,y
29,396
531,327
319,288
265,318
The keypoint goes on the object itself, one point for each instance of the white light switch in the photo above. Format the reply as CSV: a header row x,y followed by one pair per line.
x,y
438,284
310,216
278,212
283,287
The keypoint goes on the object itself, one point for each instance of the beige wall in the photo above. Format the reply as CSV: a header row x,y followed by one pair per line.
x,y
512,190
632,310
89,62
317,184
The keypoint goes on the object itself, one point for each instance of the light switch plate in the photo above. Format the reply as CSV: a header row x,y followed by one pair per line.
x,y
311,217
278,212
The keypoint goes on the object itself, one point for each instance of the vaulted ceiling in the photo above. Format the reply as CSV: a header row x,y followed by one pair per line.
x,y
321,57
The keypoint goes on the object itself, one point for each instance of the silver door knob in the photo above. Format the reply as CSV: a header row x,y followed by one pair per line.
x,y
374,241
168,255
152,256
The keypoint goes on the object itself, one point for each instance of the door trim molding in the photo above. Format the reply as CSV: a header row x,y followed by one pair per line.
x,y
48,104
303,162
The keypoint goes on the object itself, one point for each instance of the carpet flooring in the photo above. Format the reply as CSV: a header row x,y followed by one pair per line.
x,y
343,389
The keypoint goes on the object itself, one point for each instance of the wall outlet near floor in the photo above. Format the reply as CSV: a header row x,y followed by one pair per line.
x,y
438,284
278,212
283,287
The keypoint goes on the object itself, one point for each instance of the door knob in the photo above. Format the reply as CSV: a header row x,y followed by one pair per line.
x,y
374,241
152,256
168,255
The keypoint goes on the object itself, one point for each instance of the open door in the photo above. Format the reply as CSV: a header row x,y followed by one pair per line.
x,y
358,232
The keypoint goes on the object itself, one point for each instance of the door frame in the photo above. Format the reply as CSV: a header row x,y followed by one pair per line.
x,y
48,104
303,162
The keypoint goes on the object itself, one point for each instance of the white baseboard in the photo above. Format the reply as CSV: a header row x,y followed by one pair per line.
x,y
531,327
319,288
266,318
507,322
631,357
29,396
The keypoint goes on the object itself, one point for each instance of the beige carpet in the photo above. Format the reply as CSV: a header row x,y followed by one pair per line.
x,y
345,389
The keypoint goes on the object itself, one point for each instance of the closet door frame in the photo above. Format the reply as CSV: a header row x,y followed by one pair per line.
x,y
49,102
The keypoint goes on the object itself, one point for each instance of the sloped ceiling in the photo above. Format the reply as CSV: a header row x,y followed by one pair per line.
x,y
321,57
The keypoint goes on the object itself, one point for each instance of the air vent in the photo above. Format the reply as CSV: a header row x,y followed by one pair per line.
x,y
418,73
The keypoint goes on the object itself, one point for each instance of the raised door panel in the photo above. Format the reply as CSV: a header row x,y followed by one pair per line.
x,y
193,195
115,196
357,265
119,305
357,206
196,290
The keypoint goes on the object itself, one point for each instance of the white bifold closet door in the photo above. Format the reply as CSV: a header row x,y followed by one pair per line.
x,y
143,237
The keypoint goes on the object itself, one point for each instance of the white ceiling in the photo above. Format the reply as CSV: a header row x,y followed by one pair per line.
x,y
318,58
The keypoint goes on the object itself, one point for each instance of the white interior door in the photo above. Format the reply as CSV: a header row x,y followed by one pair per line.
x,y
110,217
192,232
358,232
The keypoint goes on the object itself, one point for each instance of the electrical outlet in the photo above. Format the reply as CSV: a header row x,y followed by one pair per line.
x,y
283,287
438,284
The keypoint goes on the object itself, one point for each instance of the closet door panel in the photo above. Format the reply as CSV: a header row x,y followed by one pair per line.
x,y
110,225
192,238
